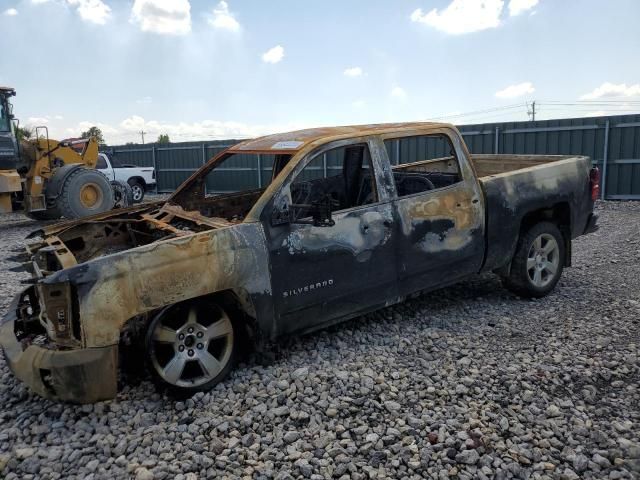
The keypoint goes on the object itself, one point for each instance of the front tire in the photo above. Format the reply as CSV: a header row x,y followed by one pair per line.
x,y
538,261
84,192
191,346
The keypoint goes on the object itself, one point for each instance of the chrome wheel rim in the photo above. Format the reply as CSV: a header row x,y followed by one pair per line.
x,y
137,192
543,260
191,345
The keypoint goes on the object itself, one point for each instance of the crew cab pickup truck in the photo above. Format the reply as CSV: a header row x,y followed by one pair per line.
x,y
347,220
141,179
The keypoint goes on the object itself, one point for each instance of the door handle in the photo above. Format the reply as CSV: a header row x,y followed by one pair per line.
x,y
475,200
365,229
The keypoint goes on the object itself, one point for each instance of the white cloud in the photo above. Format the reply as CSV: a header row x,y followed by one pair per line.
x,y
223,19
516,7
128,130
398,92
106,129
144,101
353,72
359,104
11,12
518,90
273,55
37,121
462,16
166,17
94,11
608,89
59,117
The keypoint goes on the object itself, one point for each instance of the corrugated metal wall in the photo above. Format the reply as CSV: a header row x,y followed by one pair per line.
x,y
613,143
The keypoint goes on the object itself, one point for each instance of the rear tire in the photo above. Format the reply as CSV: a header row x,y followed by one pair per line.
x,y
538,261
137,188
122,194
85,192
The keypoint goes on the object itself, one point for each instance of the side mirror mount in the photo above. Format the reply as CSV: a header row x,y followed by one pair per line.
x,y
319,211
281,215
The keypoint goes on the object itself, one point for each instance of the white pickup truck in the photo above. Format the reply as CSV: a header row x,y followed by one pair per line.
x,y
141,179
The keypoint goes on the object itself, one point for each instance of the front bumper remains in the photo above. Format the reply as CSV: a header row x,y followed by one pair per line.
x,y
76,375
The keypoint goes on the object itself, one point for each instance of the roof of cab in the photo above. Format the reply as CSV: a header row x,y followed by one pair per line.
x,y
291,142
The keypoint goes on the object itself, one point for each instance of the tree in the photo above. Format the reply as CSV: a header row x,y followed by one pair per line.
x,y
163,138
24,133
94,132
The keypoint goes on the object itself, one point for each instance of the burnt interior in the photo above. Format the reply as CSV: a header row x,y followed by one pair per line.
x,y
192,209
97,238
232,207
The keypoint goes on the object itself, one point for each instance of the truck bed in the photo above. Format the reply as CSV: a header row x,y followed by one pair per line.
x,y
488,165
517,184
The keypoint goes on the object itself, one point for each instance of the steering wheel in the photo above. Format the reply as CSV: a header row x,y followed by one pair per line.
x,y
302,192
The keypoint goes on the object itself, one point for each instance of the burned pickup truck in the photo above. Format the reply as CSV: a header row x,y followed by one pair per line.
x,y
345,220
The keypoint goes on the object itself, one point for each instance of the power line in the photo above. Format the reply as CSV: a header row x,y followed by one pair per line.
x,y
532,112
478,112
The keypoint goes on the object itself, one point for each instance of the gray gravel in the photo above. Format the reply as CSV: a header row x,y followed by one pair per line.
x,y
466,382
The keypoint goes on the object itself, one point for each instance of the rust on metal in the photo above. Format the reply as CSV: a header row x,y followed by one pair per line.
x,y
93,277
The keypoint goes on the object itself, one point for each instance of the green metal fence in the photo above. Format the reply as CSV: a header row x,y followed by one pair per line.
x,y
612,142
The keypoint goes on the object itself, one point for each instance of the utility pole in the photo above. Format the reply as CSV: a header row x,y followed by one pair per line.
x,y
142,132
532,112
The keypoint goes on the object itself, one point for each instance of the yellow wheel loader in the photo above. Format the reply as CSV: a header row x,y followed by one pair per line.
x,y
49,179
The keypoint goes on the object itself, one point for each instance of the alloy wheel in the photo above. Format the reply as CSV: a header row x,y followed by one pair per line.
x,y
191,345
543,260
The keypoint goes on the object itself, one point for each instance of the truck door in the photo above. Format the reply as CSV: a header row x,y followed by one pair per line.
x,y
439,206
321,273
104,165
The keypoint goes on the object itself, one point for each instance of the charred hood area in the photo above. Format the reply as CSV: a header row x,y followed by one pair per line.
x,y
67,244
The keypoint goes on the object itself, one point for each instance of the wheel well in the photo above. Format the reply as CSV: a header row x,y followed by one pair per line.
x,y
235,302
238,304
138,180
560,214
132,333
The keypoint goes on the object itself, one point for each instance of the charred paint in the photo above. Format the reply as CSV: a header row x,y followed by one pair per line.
x,y
94,275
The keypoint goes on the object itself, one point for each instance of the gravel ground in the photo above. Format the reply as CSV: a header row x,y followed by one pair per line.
x,y
466,382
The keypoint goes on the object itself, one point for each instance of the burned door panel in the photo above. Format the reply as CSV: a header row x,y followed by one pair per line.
x,y
440,239
324,273
321,273
440,212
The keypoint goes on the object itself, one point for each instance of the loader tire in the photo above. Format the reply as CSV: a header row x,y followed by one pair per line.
x,y
122,194
85,192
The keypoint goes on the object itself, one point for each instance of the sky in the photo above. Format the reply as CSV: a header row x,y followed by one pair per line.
x,y
209,69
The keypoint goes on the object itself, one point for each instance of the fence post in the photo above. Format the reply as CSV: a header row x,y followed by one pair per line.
x,y
496,146
605,159
259,171
155,166
204,161
397,152
324,164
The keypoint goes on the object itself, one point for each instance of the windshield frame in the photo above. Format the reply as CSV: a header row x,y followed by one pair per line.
x,y
192,187
5,115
